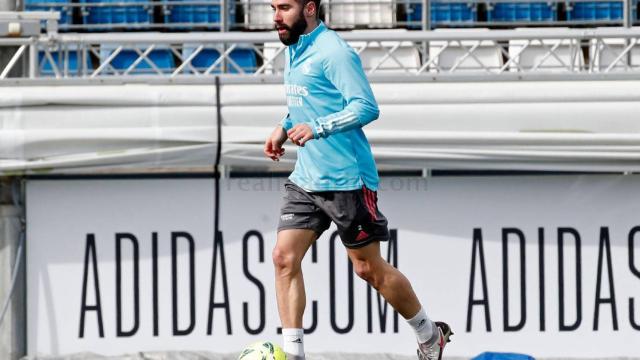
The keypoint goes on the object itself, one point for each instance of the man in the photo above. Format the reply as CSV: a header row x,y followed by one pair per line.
x,y
335,177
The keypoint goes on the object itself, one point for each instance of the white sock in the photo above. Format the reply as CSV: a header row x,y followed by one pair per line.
x,y
293,342
422,326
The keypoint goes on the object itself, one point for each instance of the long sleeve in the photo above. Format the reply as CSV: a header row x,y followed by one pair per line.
x,y
345,72
327,91
286,123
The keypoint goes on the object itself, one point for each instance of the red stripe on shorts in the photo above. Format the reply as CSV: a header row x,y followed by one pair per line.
x,y
370,201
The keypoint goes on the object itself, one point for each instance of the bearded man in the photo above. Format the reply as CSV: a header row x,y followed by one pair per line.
x,y
335,177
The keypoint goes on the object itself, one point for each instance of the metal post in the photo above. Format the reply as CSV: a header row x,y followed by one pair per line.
x,y
627,13
426,26
33,59
81,54
224,12
627,16
426,15
12,277
224,27
63,50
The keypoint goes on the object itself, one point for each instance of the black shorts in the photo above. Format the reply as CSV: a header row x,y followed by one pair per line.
x,y
355,213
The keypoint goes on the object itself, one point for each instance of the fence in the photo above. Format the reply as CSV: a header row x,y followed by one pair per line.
x,y
494,54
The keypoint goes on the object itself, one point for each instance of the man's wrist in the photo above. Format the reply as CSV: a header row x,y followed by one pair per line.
x,y
318,131
286,124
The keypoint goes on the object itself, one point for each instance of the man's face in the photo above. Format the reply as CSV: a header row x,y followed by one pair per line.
x,y
288,18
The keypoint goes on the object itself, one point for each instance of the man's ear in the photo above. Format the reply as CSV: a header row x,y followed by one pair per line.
x,y
310,9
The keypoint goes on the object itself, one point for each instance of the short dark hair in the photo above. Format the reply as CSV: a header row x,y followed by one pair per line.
x,y
317,2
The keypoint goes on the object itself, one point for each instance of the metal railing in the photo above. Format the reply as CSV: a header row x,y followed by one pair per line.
x,y
544,13
340,14
495,54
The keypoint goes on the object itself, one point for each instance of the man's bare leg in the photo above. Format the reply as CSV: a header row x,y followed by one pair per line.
x,y
389,281
397,290
291,246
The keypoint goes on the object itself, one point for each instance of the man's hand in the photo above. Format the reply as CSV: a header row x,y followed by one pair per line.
x,y
273,146
300,134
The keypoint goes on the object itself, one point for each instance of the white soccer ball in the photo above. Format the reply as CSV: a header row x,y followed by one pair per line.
x,y
262,350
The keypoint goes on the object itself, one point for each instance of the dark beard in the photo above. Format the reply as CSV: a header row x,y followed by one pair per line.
x,y
294,32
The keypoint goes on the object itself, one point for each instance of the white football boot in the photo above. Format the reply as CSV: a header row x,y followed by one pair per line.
x,y
434,351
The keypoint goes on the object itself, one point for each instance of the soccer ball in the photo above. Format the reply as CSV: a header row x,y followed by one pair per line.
x,y
262,350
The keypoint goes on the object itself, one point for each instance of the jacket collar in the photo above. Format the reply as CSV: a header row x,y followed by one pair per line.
x,y
306,39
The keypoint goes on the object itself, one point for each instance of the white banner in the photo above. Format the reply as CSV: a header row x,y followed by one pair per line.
x,y
515,125
546,265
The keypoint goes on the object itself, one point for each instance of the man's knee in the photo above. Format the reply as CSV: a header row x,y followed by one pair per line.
x,y
285,262
366,270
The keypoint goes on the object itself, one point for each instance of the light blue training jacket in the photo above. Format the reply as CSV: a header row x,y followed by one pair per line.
x,y
327,89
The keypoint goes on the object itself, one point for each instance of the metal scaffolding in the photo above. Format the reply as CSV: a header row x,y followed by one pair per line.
x,y
484,54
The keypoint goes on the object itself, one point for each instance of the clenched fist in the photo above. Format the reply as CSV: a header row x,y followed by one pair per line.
x,y
300,134
273,146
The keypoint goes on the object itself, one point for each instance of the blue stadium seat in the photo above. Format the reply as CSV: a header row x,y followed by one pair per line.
x,y
443,13
208,15
113,15
245,58
46,68
161,58
610,10
534,11
66,11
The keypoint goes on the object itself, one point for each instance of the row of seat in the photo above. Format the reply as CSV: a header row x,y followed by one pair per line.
x,y
442,57
381,14
442,13
116,12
